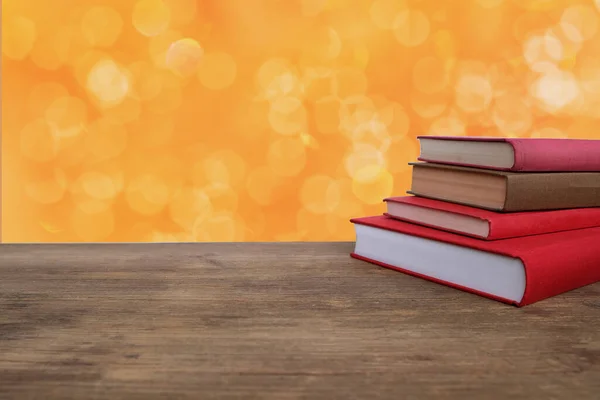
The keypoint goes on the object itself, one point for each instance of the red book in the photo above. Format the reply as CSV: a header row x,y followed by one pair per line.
x,y
517,271
513,154
488,225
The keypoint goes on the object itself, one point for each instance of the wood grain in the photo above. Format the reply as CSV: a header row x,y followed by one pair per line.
x,y
274,321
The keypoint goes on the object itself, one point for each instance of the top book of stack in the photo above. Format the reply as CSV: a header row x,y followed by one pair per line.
x,y
512,154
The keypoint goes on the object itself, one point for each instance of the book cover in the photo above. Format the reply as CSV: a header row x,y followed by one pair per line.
x,y
553,263
503,190
537,154
504,225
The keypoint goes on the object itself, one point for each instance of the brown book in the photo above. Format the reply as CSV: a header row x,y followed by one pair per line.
x,y
503,190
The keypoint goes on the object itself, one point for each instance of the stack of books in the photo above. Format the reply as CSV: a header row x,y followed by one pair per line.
x,y
514,220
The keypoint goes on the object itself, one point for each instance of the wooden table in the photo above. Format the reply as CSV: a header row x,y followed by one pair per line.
x,y
274,321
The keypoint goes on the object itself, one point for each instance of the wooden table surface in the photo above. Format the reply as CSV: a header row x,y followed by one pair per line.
x,y
274,321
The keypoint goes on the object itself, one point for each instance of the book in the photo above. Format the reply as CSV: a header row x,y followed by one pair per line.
x,y
504,190
518,271
513,154
488,225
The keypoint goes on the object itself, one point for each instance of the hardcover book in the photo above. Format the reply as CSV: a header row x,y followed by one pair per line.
x,y
513,154
505,191
485,224
518,271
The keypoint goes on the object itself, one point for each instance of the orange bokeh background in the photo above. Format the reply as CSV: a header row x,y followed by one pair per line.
x,y
266,120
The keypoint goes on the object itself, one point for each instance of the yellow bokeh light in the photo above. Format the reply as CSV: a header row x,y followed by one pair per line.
x,y
43,95
66,116
322,45
549,132
308,225
372,184
18,37
51,49
287,116
169,98
273,69
217,71
38,143
151,17
183,56
182,12
399,153
105,139
490,3
85,192
511,114
159,45
313,7
219,227
317,83
98,185
146,81
285,84
589,76
262,185
384,12
356,110
320,194
225,167
148,194
579,22
327,114
363,156
286,156
411,27
181,120
151,130
473,93
92,227
127,111
396,119
101,26
373,132
349,204
542,52
309,141
582,128
222,197
361,56
444,44
430,75
429,106
82,64
190,206
286,105
556,90
70,150
108,83
349,82
48,189
450,124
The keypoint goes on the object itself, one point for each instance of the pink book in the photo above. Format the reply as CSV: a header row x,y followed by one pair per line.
x,y
513,154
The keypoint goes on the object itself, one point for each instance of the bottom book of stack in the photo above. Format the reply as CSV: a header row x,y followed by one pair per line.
x,y
518,271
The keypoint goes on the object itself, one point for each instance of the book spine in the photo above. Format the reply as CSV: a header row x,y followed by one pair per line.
x,y
561,267
542,155
552,191
507,225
